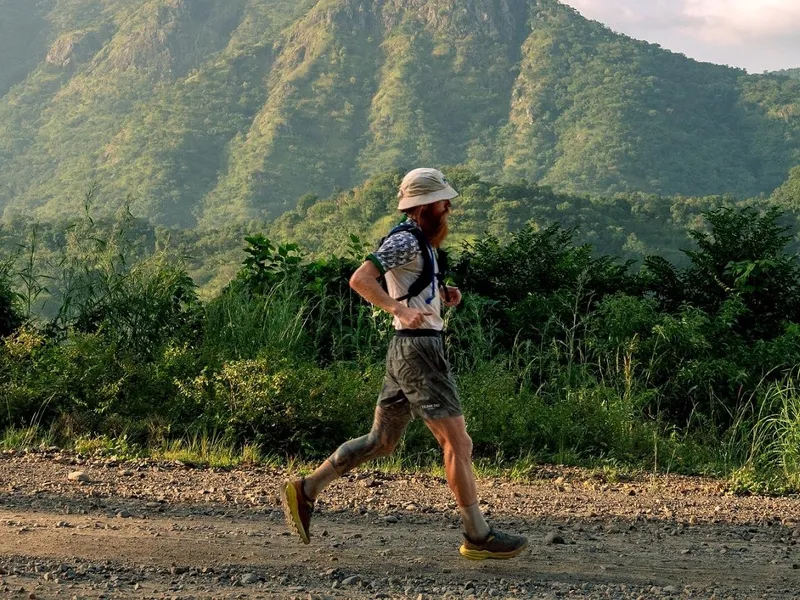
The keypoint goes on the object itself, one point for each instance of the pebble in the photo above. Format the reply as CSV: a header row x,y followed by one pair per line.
x,y
553,538
249,579
390,519
352,580
123,514
78,476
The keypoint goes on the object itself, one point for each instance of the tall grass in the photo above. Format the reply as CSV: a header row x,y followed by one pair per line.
x,y
18,438
239,325
774,457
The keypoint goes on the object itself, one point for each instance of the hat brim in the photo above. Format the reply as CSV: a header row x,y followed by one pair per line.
x,y
447,193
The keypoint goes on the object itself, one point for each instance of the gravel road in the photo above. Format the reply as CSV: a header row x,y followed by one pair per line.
x,y
142,529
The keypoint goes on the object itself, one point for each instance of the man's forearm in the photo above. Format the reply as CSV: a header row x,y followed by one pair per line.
x,y
368,288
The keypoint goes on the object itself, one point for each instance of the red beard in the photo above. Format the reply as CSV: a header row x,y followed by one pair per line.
x,y
433,226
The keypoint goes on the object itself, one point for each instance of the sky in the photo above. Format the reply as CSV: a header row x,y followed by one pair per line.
x,y
757,35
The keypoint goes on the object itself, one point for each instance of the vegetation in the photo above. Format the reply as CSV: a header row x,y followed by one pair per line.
x,y
629,226
561,354
221,111
793,73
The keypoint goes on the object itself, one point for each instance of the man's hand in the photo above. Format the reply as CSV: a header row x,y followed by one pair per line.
x,y
452,297
412,318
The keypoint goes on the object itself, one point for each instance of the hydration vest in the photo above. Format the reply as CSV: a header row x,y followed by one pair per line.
x,y
428,277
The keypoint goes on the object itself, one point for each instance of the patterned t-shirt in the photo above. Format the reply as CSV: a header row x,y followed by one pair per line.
x,y
397,250
400,260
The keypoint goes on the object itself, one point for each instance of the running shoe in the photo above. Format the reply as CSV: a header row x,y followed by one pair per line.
x,y
497,545
297,508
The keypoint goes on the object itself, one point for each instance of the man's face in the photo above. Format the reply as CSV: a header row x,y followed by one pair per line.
x,y
439,209
433,220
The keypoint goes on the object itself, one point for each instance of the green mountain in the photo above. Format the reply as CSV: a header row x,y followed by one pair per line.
x,y
214,111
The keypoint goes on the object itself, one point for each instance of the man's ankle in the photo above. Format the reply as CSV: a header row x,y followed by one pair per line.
x,y
304,490
475,526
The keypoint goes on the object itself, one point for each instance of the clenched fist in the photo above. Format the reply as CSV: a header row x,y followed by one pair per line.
x,y
412,318
452,297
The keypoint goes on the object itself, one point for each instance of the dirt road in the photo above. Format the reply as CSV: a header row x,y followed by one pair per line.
x,y
147,530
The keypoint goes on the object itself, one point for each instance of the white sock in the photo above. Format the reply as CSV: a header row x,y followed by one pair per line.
x,y
475,525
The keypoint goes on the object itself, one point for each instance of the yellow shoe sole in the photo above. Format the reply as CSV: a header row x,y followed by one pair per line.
x,y
484,554
291,511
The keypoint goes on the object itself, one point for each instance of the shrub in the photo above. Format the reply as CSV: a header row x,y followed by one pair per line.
x,y
284,406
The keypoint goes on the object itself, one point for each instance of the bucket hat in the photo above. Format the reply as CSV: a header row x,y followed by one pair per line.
x,y
424,186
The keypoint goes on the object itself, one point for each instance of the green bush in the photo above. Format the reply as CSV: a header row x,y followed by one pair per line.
x,y
284,406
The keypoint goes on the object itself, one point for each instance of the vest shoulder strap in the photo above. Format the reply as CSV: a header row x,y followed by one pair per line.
x,y
427,276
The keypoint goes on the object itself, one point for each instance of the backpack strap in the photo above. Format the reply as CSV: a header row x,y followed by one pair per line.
x,y
427,277
443,262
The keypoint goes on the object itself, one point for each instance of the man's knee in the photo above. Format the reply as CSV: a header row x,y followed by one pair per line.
x,y
459,447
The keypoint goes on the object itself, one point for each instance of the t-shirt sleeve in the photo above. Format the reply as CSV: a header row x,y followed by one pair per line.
x,y
397,250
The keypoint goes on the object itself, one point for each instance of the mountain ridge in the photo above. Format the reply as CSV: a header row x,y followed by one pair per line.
x,y
210,111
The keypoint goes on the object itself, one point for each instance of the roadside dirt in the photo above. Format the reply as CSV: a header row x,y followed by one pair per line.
x,y
153,530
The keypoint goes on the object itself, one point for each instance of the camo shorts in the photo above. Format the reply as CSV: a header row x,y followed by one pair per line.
x,y
418,377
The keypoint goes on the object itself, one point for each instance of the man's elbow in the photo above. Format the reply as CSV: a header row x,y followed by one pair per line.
x,y
364,278
354,281
357,280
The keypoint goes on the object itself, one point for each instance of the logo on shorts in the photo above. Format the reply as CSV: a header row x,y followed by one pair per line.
x,y
430,406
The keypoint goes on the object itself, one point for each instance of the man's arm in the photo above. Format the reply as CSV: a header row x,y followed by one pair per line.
x,y
365,282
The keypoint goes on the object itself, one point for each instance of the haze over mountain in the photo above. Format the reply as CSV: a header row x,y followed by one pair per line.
x,y
212,111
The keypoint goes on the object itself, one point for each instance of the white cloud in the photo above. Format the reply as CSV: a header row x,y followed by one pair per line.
x,y
754,34
735,21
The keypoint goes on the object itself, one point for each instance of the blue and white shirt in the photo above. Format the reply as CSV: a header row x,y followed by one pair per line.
x,y
400,261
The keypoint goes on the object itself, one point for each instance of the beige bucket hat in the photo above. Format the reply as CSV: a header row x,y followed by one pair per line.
x,y
424,186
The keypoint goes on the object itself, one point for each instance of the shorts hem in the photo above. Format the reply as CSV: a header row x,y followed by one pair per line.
x,y
437,416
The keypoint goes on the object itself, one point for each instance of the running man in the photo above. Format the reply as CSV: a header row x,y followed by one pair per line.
x,y
418,381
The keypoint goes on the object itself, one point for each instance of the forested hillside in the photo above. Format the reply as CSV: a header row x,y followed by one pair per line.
x,y
630,226
793,73
208,112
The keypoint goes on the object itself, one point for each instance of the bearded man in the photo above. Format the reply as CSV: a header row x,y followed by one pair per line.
x,y
418,381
